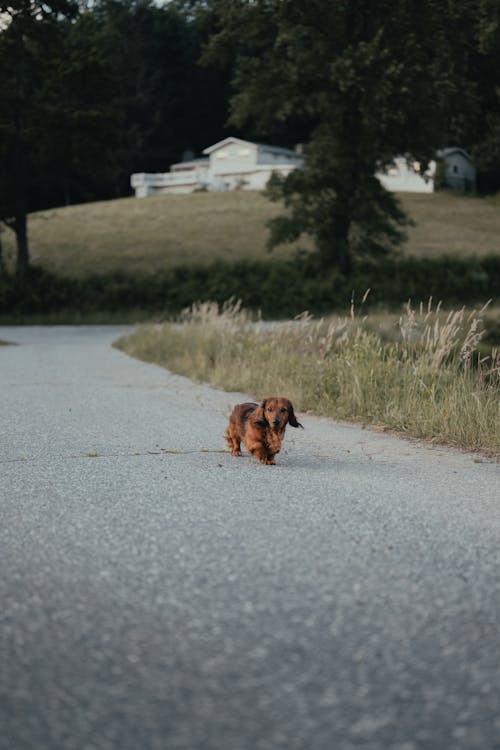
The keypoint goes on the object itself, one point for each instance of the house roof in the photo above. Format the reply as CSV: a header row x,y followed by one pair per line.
x,y
454,150
232,139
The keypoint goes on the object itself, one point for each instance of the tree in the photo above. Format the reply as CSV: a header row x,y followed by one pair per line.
x,y
166,103
485,136
79,133
28,29
366,81
51,94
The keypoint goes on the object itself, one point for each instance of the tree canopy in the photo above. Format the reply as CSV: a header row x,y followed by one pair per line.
x,y
366,81
485,131
52,92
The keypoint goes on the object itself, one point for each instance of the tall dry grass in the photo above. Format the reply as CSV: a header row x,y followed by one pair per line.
x,y
421,374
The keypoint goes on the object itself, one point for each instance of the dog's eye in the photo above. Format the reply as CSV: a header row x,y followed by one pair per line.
x,y
269,408
284,410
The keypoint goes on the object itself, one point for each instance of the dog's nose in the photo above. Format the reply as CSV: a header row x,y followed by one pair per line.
x,y
276,421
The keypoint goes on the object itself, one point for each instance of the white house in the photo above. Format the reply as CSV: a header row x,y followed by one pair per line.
x,y
184,177
235,164
231,164
459,171
405,175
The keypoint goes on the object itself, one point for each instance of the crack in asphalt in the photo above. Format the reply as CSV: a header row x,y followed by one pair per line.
x,y
162,452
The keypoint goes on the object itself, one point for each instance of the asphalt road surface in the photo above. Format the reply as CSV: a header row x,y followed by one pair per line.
x,y
158,594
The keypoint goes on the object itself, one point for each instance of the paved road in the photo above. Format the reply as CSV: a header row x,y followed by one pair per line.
x,y
157,594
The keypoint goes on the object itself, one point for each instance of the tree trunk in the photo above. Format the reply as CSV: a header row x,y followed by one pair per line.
x,y
343,254
23,257
333,241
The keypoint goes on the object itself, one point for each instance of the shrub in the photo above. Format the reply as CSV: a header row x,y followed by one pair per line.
x,y
278,288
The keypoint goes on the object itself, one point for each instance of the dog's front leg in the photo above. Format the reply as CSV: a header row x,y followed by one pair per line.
x,y
258,451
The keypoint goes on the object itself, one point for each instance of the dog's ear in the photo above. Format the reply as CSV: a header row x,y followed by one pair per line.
x,y
292,419
259,416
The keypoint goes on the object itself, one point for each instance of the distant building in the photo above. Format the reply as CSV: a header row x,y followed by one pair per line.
x,y
235,164
459,171
405,175
231,164
184,177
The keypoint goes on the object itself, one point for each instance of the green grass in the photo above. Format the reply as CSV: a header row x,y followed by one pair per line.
x,y
421,373
131,235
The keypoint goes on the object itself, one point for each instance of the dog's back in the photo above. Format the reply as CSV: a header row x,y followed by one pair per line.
x,y
240,415
235,431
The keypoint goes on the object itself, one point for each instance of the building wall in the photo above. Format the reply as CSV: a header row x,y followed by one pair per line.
x,y
164,183
459,172
251,180
402,178
266,156
234,157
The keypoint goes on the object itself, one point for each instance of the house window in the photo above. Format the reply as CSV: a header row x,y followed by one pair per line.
x,y
221,155
455,169
244,152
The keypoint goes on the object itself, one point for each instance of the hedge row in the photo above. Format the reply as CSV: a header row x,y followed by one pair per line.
x,y
277,288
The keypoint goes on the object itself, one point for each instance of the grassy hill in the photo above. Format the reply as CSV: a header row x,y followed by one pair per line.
x,y
133,235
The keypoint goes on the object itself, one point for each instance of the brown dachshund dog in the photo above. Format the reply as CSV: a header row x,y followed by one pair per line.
x,y
261,428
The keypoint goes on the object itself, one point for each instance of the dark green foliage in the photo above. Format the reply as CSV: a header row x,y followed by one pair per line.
x,y
367,81
165,103
278,288
54,101
370,227
484,128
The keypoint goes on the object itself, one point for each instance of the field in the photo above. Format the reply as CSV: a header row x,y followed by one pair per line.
x,y
132,235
